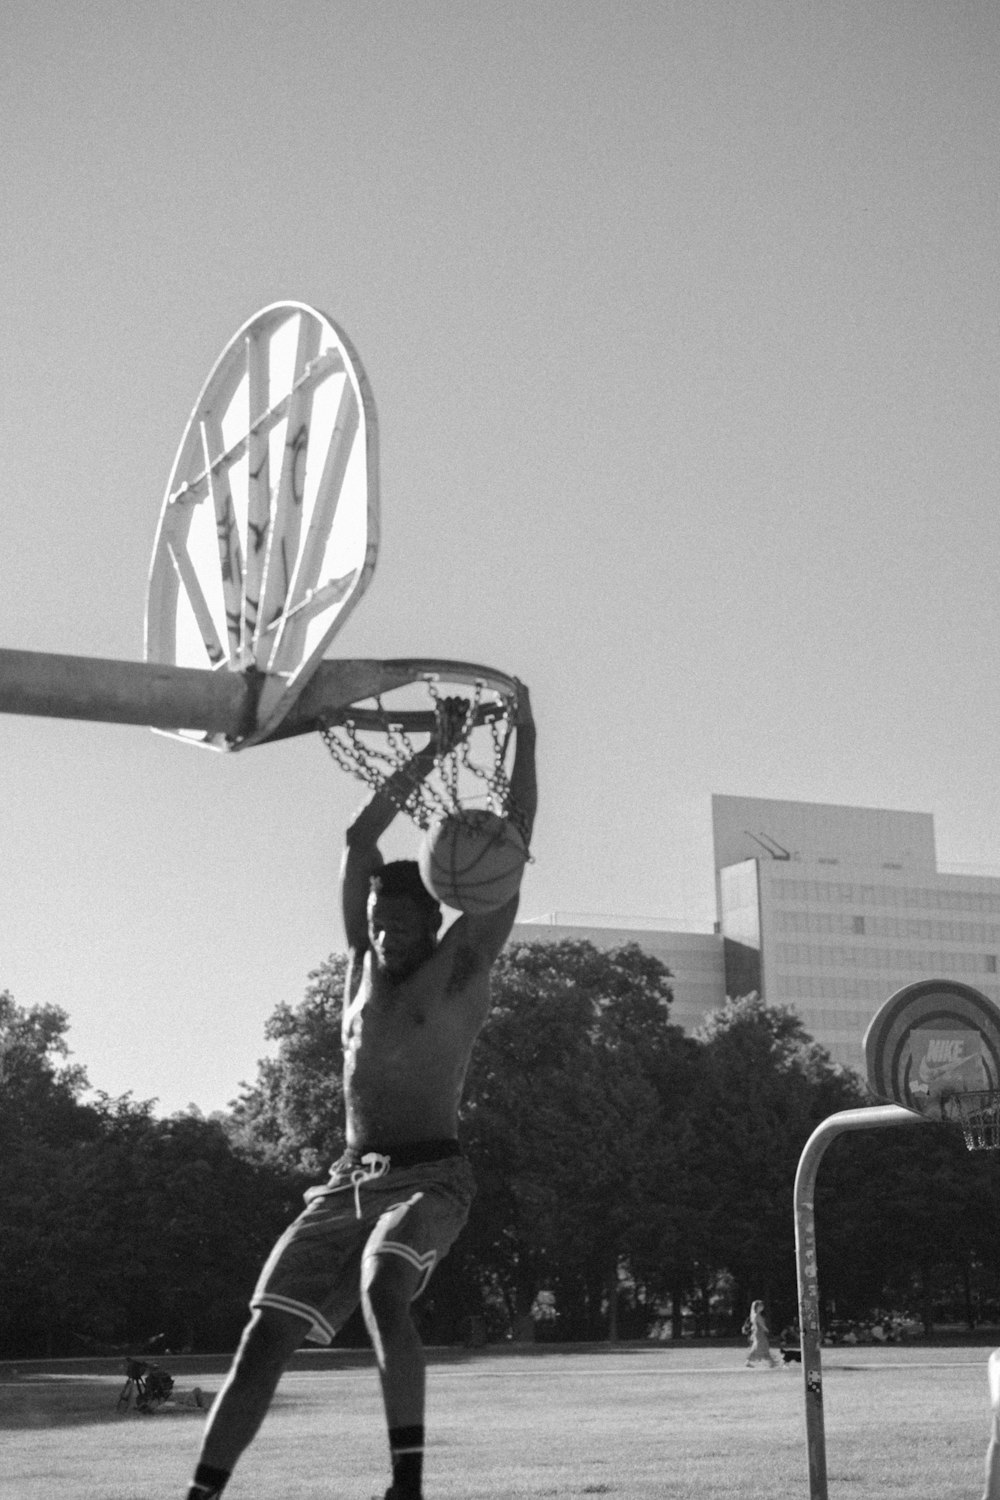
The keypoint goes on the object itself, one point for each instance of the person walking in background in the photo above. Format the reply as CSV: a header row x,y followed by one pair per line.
x,y
760,1339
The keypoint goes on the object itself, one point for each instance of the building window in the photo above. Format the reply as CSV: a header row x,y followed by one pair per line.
x,y
991,963
857,924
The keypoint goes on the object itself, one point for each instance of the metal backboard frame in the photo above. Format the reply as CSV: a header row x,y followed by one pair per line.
x,y
269,529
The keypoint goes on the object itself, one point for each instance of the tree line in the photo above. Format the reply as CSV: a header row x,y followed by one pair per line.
x,y
634,1181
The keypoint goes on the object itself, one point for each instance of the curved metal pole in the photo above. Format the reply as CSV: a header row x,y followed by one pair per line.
x,y
225,705
124,692
806,1268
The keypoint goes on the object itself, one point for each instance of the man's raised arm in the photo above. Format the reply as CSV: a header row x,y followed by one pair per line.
x,y
362,856
523,777
485,935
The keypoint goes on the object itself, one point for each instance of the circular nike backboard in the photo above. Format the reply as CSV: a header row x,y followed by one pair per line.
x,y
931,1041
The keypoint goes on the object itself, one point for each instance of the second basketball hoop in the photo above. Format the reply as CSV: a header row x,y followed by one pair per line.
x,y
934,1047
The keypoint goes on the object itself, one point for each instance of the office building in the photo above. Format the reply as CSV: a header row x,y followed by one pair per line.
x,y
830,910
695,959
827,910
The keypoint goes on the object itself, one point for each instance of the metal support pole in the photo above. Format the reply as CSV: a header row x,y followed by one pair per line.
x,y
805,1262
124,692
217,703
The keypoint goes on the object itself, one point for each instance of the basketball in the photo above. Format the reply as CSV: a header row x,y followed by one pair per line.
x,y
473,860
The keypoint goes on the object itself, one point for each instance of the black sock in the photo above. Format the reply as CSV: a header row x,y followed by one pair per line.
x,y
407,1447
208,1483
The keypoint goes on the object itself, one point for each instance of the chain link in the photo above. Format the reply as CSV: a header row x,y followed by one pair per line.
x,y
426,801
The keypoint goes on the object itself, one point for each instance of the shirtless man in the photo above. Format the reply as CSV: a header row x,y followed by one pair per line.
x,y
398,1197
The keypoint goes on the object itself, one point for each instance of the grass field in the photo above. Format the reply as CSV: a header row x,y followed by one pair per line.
x,y
685,1423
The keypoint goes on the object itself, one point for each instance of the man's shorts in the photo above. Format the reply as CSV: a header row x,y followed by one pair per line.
x,y
370,1206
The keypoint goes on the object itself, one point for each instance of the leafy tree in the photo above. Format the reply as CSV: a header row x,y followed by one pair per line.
x,y
293,1116
179,1227
907,1220
764,1085
571,1118
39,1093
117,1225
41,1121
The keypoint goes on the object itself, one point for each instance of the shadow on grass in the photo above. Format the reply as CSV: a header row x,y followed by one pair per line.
x,y
39,1401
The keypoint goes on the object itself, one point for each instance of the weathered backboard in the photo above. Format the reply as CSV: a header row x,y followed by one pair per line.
x,y
931,1041
268,533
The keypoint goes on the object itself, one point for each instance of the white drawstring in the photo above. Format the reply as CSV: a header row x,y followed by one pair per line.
x,y
372,1165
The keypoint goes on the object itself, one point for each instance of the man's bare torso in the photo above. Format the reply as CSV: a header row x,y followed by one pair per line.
x,y
407,1044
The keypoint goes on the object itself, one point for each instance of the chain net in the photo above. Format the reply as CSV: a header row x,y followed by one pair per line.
x,y
474,769
978,1113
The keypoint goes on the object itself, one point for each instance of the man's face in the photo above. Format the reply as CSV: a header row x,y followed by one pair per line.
x,y
400,933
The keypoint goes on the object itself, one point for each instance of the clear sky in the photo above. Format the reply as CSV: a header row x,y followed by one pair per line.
x,y
682,322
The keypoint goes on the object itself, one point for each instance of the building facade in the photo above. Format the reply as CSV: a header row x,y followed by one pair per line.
x,y
695,959
826,910
830,910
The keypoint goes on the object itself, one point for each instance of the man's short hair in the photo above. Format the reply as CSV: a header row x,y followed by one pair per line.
x,y
401,877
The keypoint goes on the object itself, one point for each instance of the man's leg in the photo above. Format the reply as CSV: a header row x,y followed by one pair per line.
x,y
388,1285
992,1484
268,1343
408,1241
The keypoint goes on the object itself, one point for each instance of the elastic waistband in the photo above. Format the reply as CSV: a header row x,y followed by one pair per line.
x,y
362,1165
407,1154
